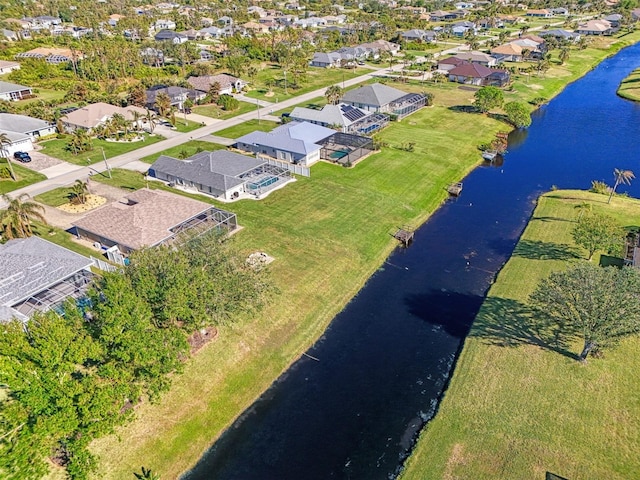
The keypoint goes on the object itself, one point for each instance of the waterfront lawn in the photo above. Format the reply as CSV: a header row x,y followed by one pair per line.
x,y
517,406
189,148
24,177
328,233
630,86
214,111
57,148
247,127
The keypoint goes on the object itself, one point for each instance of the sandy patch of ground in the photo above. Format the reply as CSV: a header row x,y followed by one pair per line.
x,y
93,201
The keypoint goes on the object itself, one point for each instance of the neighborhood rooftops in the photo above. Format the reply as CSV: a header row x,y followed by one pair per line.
x,y
21,123
377,95
142,219
31,265
342,115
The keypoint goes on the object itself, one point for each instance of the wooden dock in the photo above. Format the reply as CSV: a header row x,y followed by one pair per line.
x,y
489,155
455,189
404,236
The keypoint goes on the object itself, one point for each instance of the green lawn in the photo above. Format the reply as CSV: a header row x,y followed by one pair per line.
x,y
630,86
45,95
24,177
56,197
516,407
58,148
271,78
184,126
247,127
329,233
62,238
189,148
214,111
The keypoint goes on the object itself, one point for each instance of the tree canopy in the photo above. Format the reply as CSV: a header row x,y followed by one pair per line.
x,y
487,98
518,114
595,231
601,305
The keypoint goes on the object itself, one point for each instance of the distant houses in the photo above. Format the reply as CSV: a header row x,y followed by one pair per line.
x,y
8,67
95,114
476,74
228,83
52,55
12,91
177,95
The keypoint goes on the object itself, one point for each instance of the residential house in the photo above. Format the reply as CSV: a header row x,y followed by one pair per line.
x,y
477,57
214,32
491,22
460,29
11,35
38,275
442,16
615,19
342,117
147,218
114,19
8,67
51,55
164,24
228,83
381,98
326,60
509,52
294,142
13,91
310,22
225,175
177,95
44,22
534,48
560,11
476,74
635,14
95,114
255,28
416,35
463,5
449,63
22,131
170,36
542,13
595,27
560,34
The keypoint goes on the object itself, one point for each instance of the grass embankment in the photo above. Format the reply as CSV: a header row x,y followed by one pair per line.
x,y
517,408
24,177
58,148
630,86
56,197
328,234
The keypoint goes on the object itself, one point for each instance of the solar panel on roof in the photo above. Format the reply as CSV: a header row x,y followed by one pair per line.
x,y
351,113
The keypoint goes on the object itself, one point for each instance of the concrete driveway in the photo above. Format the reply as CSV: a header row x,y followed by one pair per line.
x,y
39,161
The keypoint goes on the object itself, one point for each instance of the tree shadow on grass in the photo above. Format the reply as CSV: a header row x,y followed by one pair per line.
x,y
464,109
509,323
498,321
537,250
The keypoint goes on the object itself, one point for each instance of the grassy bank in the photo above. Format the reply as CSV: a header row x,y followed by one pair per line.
x,y
517,408
328,234
630,86
24,177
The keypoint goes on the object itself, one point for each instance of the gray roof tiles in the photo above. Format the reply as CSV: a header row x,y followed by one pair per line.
x,y
21,123
30,265
376,94
7,87
295,137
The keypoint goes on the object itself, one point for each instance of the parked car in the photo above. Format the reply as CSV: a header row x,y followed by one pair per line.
x,y
22,157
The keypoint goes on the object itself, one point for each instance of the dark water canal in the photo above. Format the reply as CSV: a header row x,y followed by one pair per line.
x,y
385,360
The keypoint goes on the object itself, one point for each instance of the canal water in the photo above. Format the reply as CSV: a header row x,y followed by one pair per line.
x,y
351,409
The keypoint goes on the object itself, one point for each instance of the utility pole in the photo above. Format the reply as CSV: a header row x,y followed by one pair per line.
x,y
258,108
285,82
104,157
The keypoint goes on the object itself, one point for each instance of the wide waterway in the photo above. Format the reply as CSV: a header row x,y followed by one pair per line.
x,y
376,376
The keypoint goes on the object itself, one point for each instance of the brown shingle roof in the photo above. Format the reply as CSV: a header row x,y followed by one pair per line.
x,y
144,218
93,114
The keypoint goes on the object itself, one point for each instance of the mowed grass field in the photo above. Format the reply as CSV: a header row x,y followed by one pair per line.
x,y
518,405
328,233
630,86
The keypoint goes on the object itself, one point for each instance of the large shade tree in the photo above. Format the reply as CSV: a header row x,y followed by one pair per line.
x,y
487,98
595,231
601,305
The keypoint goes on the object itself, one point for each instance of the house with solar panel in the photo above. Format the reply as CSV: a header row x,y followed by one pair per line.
x,y
342,117
379,98
38,275
222,174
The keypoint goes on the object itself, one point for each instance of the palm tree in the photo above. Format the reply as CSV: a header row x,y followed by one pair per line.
x,y
79,191
4,142
584,208
146,474
15,221
333,94
163,104
621,176
152,120
136,117
564,55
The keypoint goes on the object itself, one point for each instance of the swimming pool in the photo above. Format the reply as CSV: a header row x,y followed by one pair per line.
x,y
263,182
